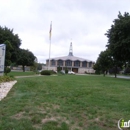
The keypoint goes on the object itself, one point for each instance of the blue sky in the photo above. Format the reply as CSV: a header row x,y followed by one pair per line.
x,y
83,22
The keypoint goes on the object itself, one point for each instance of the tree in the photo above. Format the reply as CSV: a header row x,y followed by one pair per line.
x,y
7,70
97,67
116,64
119,39
36,66
8,53
25,58
39,66
104,62
12,42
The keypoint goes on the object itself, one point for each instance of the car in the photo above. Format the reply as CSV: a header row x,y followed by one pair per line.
x,y
62,71
71,72
39,71
54,71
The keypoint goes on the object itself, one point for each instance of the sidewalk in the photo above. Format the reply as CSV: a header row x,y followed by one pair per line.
x,y
123,77
27,76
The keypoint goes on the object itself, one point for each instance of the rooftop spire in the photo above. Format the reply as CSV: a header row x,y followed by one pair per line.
x,y
70,50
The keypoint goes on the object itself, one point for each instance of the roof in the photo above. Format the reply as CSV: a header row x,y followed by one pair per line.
x,y
72,58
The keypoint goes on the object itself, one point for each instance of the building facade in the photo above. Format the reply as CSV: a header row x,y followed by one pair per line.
x,y
75,64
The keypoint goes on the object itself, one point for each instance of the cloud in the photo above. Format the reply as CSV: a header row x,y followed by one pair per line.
x,y
81,21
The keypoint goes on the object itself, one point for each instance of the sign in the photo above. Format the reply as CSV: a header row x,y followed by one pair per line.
x,y
2,58
123,124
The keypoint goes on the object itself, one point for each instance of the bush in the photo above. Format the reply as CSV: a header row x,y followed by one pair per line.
x,y
6,78
53,72
127,71
66,70
59,69
86,72
7,70
46,72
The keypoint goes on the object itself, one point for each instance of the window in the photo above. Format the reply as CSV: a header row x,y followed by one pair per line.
x,y
68,63
84,64
60,63
77,63
53,62
90,64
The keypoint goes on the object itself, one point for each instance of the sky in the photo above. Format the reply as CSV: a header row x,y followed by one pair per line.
x,y
82,22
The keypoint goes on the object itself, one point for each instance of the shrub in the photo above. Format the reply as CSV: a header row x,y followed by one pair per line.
x,y
127,71
53,72
66,70
6,78
7,70
85,72
59,69
46,72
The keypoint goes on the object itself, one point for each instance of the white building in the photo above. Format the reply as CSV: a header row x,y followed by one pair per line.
x,y
76,64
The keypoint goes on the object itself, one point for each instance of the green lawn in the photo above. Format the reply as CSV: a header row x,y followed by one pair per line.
x,y
68,102
21,73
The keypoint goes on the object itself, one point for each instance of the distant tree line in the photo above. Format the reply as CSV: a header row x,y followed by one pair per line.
x,y
117,54
14,54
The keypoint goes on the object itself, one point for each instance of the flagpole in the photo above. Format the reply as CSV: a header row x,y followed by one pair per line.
x,y
49,53
50,45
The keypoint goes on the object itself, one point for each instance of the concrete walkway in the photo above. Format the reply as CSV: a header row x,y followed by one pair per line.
x,y
28,76
5,87
122,77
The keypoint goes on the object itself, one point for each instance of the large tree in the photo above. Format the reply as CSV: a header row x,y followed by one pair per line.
x,y
104,62
12,42
119,39
25,58
8,53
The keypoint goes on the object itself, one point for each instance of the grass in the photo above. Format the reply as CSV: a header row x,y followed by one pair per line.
x,y
21,73
68,102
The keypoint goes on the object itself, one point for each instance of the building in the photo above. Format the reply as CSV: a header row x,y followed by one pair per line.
x,y
76,64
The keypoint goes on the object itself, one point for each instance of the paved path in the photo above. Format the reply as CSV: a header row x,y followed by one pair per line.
x,y
122,77
32,76
28,76
5,88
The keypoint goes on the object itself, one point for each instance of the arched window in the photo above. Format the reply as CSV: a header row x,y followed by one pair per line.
x,y
53,62
77,63
68,63
84,64
60,63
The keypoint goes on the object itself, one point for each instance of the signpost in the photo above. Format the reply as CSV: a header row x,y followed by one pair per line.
x,y
2,58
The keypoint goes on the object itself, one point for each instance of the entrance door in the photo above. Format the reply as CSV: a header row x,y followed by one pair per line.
x,y
75,70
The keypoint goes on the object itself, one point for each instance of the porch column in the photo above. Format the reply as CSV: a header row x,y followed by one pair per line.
x,y
87,64
63,63
80,63
56,63
72,63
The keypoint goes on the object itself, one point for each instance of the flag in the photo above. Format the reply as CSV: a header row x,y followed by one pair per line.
x,y
50,30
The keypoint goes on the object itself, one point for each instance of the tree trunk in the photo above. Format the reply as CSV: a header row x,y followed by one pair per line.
x,y
23,68
104,73
115,71
5,70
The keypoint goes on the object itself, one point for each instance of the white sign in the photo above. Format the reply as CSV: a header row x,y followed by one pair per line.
x,y
2,58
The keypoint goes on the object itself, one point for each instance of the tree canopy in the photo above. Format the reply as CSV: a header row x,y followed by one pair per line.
x,y
14,54
119,38
25,58
12,42
104,62
118,45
